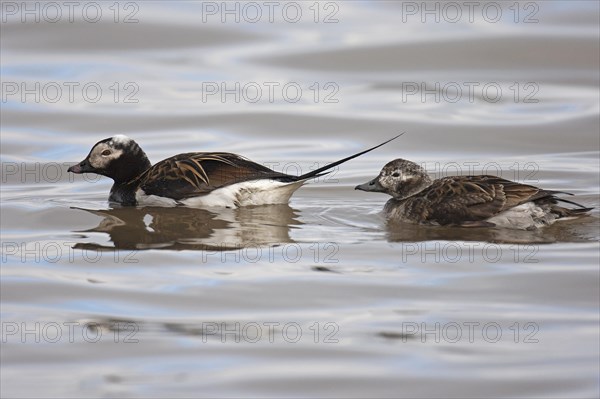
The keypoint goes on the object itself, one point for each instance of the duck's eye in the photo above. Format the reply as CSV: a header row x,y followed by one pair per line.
x,y
395,174
105,153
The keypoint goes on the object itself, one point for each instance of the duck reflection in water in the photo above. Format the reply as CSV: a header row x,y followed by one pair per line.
x,y
582,230
182,228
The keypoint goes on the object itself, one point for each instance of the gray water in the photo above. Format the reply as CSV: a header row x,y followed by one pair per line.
x,y
321,298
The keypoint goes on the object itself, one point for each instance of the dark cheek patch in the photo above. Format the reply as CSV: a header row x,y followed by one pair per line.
x,y
398,188
403,185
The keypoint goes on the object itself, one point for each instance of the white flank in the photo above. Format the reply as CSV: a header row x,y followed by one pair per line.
x,y
257,192
525,216
153,200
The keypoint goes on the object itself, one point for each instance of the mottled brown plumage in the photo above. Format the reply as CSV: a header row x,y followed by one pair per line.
x,y
465,200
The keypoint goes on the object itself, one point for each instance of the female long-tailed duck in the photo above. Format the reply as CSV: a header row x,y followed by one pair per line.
x,y
468,201
196,179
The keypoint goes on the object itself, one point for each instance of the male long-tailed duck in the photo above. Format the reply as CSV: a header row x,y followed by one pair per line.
x,y
468,201
196,179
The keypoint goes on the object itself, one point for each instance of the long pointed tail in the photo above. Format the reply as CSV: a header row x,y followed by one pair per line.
x,y
573,203
324,169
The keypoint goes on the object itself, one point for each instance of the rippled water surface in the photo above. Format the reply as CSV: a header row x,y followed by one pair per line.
x,y
321,298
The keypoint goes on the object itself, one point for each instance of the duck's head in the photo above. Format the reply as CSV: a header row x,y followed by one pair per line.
x,y
117,157
399,178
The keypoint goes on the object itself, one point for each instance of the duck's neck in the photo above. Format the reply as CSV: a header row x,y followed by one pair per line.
x,y
412,188
123,193
126,175
130,166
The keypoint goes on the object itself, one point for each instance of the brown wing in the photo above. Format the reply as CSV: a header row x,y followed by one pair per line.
x,y
198,173
459,199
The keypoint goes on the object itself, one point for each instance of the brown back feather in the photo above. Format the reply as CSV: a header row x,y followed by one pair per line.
x,y
454,200
193,174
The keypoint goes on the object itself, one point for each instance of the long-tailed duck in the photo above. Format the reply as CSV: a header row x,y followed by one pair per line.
x,y
468,201
196,179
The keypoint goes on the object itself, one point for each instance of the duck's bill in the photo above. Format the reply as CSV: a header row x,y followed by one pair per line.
x,y
82,167
372,185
